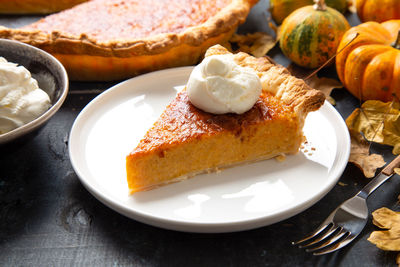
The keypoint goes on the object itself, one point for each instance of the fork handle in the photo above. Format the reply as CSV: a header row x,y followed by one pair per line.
x,y
389,169
385,174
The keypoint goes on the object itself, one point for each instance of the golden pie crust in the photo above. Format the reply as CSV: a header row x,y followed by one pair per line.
x,y
115,39
186,141
36,6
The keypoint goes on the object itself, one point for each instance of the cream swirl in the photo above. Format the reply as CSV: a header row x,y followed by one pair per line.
x,y
219,85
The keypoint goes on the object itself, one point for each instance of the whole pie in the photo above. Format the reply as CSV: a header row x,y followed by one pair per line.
x,y
115,39
186,141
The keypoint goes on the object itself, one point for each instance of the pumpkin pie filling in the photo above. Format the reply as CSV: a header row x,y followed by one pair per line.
x,y
98,18
193,122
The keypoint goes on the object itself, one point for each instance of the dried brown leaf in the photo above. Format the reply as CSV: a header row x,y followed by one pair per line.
x,y
379,122
386,219
326,85
257,44
360,156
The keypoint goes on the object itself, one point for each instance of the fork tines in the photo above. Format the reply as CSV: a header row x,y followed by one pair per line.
x,y
326,239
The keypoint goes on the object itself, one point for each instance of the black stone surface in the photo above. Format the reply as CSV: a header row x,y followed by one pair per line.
x,y
47,218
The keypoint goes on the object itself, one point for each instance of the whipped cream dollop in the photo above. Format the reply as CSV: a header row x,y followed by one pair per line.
x,y
218,85
21,99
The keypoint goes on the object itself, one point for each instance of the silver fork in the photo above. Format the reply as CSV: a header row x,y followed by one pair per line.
x,y
347,221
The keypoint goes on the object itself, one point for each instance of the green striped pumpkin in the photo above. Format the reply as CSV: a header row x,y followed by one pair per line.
x,y
280,9
310,35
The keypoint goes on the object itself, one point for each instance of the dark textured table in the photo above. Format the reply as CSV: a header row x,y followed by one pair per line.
x,y
47,218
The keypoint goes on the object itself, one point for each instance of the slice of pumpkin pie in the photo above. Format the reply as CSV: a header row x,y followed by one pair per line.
x,y
235,109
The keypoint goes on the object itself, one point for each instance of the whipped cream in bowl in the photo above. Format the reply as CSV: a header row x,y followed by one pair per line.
x,y
21,99
33,86
219,85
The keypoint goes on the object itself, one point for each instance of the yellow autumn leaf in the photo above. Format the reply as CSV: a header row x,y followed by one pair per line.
x,y
391,129
386,219
258,44
275,28
379,122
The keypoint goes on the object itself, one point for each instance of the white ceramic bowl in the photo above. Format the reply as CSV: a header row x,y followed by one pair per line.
x,y
51,77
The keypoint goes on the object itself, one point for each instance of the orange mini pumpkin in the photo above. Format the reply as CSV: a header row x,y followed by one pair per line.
x,y
378,10
369,67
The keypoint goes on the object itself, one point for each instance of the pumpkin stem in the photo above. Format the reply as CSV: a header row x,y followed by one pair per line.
x,y
396,43
320,5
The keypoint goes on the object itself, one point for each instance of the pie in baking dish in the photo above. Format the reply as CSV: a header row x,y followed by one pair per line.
x,y
186,141
115,39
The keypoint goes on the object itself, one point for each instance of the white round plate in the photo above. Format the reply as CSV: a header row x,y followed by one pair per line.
x,y
235,199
